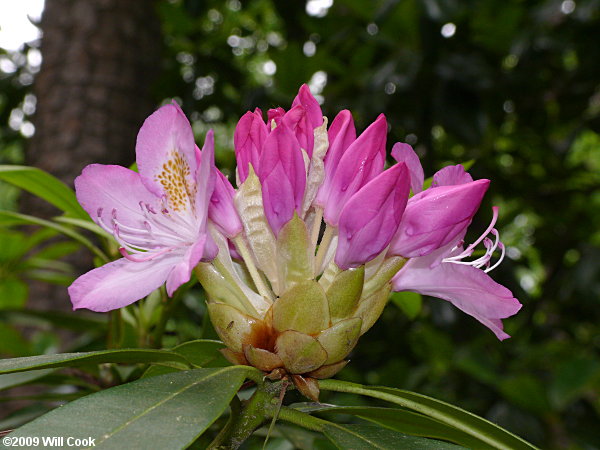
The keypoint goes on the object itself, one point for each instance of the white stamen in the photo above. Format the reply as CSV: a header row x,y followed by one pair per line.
x,y
490,248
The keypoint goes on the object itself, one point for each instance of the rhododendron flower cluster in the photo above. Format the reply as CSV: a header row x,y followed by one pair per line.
x,y
298,262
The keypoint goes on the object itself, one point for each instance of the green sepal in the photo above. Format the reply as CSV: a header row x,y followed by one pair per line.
x,y
384,274
233,327
262,359
300,352
249,204
218,288
344,292
324,372
370,308
294,258
340,339
302,308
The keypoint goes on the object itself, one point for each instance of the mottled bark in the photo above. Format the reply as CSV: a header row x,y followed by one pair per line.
x,y
100,58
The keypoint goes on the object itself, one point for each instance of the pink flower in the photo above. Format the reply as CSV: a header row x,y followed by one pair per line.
x,y
222,210
282,176
248,140
341,134
371,217
434,217
445,274
431,234
158,216
360,162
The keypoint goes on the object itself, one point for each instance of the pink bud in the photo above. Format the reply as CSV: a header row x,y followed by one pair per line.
x,y
248,139
404,153
282,177
371,217
312,118
222,210
275,114
341,134
436,216
362,161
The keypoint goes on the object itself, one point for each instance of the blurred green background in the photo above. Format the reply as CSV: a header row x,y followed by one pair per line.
x,y
513,85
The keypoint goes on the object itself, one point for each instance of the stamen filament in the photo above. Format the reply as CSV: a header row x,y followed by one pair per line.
x,y
323,247
248,259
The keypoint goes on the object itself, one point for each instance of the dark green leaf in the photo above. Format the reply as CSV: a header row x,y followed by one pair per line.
x,y
482,429
202,353
167,411
45,186
16,379
406,422
78,359
16,218
358,437
77,322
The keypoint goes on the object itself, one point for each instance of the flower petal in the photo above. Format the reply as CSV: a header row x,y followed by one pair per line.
x,y
435,217
341,134
371,217
222,210
120,283
102,189
450,176
362,161
311,119
404,153
282,176
165,154
469,289
182,271
248,139
205,181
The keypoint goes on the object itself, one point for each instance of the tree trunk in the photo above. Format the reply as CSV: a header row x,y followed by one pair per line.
x,y
100,58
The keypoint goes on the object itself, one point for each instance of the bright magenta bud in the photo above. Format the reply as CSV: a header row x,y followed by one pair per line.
x,y
248,140
371,217
222,210
311,119
436,216
341,134
282,176
362,161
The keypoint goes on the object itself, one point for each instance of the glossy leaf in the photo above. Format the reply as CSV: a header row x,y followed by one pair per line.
x,y
359,437
45,186
16,218
482,429
407,422
202,353
10,380
132,356
167,411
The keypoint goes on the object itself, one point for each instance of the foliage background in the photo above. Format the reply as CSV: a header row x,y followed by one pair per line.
x,y
513,85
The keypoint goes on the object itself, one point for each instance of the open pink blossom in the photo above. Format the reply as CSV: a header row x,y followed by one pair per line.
x,y
158,216
447,274
435,216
